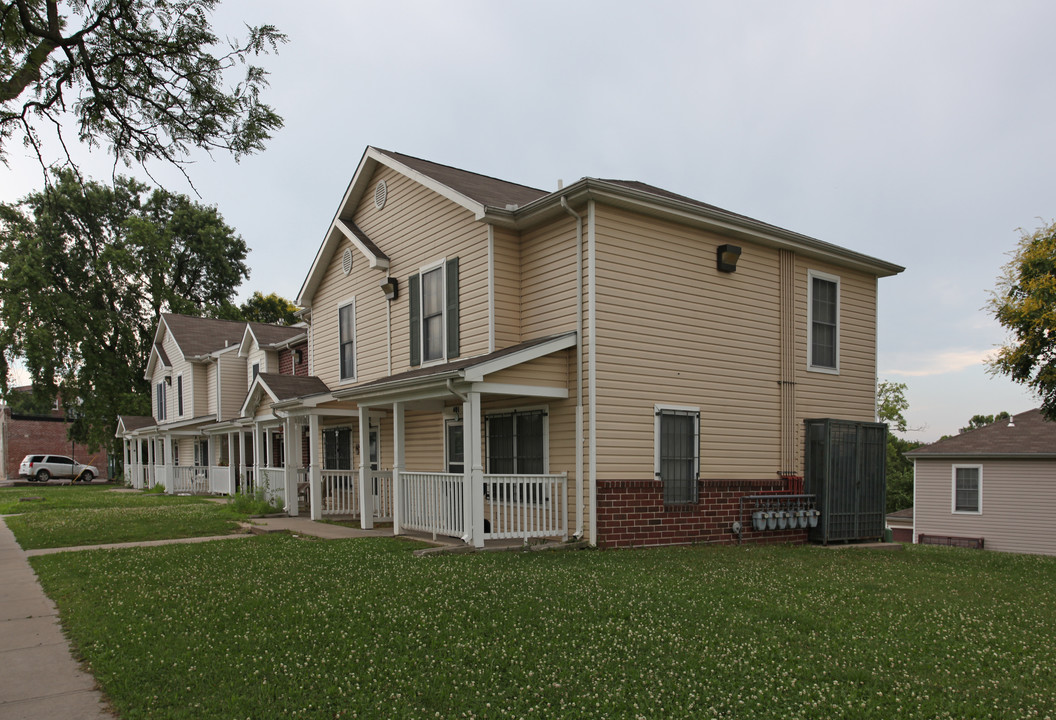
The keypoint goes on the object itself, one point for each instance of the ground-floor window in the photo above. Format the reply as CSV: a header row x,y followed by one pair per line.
x,y
677,452
516,442
967,488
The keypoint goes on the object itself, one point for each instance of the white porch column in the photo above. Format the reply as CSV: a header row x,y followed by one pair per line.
x,y
473,484
151,462
230,463
315,474
242,459
170,466
126,457
398,461
259,461
291,432
366,487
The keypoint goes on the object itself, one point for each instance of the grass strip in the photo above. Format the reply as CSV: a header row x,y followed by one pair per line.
x,y
277,627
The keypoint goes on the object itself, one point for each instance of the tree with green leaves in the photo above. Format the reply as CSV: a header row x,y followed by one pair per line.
x,y
148,78
891,406
85,271
270,308
979,421
1024,302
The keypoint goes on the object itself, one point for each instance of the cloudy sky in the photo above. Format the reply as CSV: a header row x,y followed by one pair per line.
x,y
918,132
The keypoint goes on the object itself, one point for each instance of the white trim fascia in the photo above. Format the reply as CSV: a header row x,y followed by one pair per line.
x,y
257,387
249,339
592,365
982,456
476,373
519,390
953,490
376,263
491,288
439,188
413,383
828,277
355,343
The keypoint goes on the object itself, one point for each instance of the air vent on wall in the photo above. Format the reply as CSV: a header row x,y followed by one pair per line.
x,y
346,261
381,192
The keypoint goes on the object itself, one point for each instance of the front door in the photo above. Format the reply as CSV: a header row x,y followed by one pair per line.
x,y
455,449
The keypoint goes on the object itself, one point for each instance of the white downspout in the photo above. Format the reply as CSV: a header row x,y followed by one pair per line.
x,y
579,367
592,322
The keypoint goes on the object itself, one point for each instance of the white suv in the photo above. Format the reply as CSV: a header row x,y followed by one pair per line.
x,y
43,467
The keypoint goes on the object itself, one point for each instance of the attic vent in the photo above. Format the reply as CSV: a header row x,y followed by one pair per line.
x,y
380,193
346,261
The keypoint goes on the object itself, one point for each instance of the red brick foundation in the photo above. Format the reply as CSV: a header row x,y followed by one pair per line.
x,y
631,513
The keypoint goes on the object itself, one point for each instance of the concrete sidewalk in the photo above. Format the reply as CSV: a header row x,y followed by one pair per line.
x,y
39,679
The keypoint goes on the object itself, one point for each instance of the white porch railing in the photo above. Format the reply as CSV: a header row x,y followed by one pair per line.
x,y
383,496
340,492
272,483
432,503
220,480
247,486
190,480
525,506
161,476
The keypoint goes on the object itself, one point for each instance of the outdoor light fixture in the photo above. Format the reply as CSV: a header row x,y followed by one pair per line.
x,y
168,380
728,255
298,356
391,287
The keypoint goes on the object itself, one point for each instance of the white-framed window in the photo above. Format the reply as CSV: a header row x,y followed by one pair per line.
x,y
433,313
160,399
179,395
517,441
676,452
346,321
823,322
968,489
256,371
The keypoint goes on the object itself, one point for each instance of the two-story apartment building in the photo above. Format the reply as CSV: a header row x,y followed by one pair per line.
x,y
610,360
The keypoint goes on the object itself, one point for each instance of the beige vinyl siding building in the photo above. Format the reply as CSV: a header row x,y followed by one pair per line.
x,y
655,329
996,483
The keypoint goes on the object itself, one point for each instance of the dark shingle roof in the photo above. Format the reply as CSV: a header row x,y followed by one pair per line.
x,y
1029,433
200,336
488,191
272,335
906,514
290,387
136,422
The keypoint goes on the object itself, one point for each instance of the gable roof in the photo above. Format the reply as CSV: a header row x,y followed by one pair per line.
x,y
519,206
271,337
280,388
198,336
130,423
1028,434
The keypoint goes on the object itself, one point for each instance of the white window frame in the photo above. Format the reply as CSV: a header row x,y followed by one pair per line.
x,y
355,342
953,486
495,412
657,410
161,405
440,265
811,276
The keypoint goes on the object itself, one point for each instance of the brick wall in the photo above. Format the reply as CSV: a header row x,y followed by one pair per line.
x,y
27,435
286,364
631,513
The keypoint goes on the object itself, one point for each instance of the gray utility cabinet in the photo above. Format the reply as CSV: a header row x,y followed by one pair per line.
x,y
846,471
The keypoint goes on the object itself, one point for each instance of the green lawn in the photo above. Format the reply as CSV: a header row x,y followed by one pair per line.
x,y
275,627
70,516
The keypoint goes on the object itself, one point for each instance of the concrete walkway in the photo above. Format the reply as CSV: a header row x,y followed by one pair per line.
x,y
39,679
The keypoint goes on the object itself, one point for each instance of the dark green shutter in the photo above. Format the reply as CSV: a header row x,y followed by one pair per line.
x,y
452,308
413,296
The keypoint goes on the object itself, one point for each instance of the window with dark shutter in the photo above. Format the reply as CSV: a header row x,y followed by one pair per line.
x,y
347,337
452,308
414,299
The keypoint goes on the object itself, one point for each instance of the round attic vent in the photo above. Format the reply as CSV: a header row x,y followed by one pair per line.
x,y
381,192
346,261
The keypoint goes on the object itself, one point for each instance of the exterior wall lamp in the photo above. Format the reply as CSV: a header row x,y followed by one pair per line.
x,y
168,380
727,258
391,287
298,356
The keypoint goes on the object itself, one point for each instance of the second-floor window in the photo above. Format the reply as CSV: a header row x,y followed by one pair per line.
x,y
347,338
179,395
161,400
434,314
824,331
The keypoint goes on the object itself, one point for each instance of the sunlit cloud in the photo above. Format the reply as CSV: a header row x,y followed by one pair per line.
x,y
939,363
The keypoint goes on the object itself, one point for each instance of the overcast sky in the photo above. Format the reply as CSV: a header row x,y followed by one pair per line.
x,y
918,132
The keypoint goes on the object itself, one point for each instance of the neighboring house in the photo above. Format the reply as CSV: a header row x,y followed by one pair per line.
x,y
200,370
900,523
994,487
24,434
610,361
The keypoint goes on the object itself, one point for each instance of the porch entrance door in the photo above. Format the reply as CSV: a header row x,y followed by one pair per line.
x,y
456,458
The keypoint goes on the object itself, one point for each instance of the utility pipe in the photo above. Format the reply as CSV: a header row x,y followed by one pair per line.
x,y
579,366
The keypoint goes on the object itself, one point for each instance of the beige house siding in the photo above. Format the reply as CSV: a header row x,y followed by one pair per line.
x,y
550,371
257,356
850,395
209,400
548,280
671,329
1018,502
506,261
199,392
233,373
416,228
